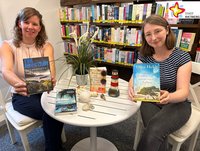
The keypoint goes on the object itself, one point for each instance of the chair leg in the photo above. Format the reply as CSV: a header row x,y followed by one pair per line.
x,y
24,141
63,137
193,140
176,146
11,131
138,131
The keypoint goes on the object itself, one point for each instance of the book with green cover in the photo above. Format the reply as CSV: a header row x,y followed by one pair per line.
x,y
146,81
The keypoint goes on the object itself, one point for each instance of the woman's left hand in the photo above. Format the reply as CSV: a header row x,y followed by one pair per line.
x,y
164,97
53,81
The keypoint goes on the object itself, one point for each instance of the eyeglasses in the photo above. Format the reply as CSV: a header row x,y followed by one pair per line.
x,y
157,32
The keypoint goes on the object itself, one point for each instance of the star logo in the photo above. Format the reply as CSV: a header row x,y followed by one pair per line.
x,y
176,9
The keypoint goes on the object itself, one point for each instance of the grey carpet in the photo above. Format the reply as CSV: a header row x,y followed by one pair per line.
x,y
121,135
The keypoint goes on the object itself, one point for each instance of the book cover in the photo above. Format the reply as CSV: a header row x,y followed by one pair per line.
x,y
66,102
98,79
146,81
37,75
187,41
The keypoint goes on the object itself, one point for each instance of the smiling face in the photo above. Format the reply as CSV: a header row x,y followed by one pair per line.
x,y
155,35
30,28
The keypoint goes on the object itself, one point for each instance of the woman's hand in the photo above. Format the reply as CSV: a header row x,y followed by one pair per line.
x,y
130,89
20,88
53,81
131,93
164,97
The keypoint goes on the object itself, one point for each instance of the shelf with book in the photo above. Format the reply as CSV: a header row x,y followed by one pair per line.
x,y
109,20
114,64
75,2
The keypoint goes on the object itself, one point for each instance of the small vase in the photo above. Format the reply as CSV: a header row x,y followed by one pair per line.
x,y
81,79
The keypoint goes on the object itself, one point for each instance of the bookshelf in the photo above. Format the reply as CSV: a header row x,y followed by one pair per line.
x,y
125,69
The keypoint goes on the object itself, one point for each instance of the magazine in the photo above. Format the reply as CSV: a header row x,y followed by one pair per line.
x,y
146,81
66,102
37,75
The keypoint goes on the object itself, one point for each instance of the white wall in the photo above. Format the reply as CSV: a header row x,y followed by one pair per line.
x,y
49,10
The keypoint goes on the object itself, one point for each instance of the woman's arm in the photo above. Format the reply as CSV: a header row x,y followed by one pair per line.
x,y
49,52
8,69
182,86
130,89
130,86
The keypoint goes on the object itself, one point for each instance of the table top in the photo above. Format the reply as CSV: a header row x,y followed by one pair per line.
x,y
106,112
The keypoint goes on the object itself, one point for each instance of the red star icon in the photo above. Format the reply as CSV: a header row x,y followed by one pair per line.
x,y
176,9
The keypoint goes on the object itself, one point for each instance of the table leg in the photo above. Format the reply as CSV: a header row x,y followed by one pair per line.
x,y
94,143
93,139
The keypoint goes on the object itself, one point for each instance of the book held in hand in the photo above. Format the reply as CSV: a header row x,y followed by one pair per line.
x,y
66,102
146,81
37,75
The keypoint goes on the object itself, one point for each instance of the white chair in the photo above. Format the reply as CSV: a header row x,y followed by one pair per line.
x,y
190,129
23,124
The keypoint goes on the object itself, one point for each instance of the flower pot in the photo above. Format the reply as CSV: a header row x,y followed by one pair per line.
x,y
81,79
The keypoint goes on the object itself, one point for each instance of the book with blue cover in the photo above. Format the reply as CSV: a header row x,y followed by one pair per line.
x,y
146,81
66,102
37,75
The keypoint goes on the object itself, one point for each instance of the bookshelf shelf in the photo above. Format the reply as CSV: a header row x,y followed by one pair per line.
x,y
75,2
107,44
196,26
117,24
113,64
101,62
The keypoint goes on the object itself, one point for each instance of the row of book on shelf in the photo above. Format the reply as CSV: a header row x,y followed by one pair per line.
x,y
117,35
117,12
126,35
105,54
107,12
184,40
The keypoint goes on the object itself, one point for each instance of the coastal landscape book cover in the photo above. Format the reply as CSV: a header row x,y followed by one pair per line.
x,y
37,75
146,81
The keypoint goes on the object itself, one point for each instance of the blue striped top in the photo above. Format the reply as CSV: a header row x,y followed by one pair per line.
x,y
169,68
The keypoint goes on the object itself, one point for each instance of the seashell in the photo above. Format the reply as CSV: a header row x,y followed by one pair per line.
x,y
103,97
93,94
84,96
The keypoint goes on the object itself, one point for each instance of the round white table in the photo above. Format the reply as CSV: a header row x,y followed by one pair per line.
x,y
106,112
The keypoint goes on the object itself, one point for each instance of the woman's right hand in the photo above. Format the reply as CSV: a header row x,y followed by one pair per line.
x,y
130,89
130,93
20,88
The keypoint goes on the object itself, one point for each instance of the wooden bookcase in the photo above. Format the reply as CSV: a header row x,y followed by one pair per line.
x,y
125,72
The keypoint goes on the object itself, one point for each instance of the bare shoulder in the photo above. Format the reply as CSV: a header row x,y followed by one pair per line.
x,y
5,47
186,68
48,45
48,49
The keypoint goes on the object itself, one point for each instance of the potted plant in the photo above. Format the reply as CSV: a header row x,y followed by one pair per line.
x,y
83,60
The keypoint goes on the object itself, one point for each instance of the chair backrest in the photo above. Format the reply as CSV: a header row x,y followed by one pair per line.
x,y
4,91
195,87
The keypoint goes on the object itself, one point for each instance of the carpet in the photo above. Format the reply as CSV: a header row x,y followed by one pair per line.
x,y
121,135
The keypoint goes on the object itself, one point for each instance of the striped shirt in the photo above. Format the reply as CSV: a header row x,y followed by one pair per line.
x,y
169,68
